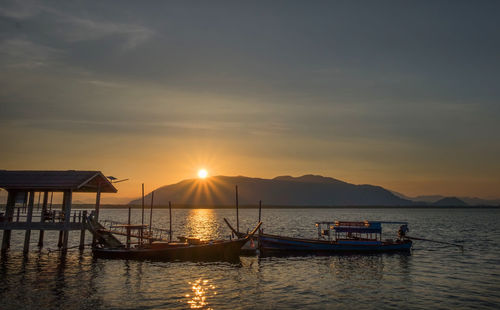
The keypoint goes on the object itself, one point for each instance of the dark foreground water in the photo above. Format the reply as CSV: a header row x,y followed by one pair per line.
x,y
433,276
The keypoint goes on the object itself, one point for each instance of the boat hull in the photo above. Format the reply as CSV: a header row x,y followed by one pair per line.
x,y
224,250
279,244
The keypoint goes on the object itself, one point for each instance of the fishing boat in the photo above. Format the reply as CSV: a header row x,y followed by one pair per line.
x,y
152,247
338,237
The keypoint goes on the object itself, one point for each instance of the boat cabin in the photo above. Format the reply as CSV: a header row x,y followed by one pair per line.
x,y
342,231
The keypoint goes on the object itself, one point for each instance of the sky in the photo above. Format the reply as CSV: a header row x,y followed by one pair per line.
x,y
401,94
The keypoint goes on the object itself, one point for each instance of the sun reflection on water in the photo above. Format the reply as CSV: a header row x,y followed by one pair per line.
x,y
201,291
201,224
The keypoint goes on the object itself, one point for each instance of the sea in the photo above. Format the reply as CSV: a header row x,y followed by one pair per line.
x,y
431,276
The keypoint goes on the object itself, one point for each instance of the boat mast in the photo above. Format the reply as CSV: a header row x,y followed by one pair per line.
x,y
142,220
237,212
128,228
260,208
151,214
170,220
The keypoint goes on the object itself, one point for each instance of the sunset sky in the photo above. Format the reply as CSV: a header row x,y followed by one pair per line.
x,y
405,95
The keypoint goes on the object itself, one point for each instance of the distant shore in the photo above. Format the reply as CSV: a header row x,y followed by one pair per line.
x,y
180,206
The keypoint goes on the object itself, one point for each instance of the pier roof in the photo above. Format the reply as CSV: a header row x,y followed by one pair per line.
x,y
38,180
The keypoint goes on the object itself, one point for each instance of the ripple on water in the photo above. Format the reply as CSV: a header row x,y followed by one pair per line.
x,y
433,276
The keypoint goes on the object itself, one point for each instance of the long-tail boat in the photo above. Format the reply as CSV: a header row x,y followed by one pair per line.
x,y
193,249
338,237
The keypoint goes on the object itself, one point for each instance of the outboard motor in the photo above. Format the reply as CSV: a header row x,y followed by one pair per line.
x,y
403,229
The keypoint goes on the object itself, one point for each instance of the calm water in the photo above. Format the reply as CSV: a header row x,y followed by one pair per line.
x,y
433,276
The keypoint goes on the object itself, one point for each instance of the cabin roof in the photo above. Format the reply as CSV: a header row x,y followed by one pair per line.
x,y
363,223
39,180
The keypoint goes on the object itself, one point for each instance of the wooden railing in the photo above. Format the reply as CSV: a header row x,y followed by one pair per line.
x,y
50,216
148,232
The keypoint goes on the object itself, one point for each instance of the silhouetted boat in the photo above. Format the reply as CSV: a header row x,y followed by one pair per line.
x,y
339,237
347,237
108,246
205,251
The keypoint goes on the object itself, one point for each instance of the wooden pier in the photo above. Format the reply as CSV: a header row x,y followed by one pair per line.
x,y
20,214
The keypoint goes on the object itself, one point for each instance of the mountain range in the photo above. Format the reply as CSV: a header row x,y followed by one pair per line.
x,y
434,199
307,190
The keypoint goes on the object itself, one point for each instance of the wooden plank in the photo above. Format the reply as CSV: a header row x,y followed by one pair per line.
x,y
6,226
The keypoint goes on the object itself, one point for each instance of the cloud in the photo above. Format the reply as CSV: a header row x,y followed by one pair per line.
x,y
76,28
21,53
106,84
19,9
73,28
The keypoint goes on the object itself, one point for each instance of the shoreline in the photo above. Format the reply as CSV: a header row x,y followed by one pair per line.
x,y
109,206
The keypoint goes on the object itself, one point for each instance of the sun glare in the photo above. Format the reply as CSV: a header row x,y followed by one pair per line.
x,y
202,173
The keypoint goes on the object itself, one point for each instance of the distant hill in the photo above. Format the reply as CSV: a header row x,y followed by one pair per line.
x,y
307,190
428,198
471,201
450,202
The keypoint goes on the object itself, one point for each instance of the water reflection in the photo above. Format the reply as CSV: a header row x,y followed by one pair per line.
x,y
369,267
201,291
46,280
425,279
201,223
357,267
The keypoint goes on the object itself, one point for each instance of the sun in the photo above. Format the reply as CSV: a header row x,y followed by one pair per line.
x,y
202,173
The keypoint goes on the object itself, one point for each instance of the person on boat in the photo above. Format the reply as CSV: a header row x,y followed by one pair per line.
x,y
403,229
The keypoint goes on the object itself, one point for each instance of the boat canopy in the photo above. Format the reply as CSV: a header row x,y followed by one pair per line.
x,y
362,230
364,227
358,227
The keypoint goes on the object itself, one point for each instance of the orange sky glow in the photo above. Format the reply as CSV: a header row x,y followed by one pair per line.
x,y
382,99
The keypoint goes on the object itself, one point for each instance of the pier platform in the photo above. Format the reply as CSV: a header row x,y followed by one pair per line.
x,y
20,212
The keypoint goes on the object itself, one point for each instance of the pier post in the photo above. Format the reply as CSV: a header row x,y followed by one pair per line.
x,y
60,239
97,207
42,217
9,213
27,235
82,232
67,217
25,201
97,202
